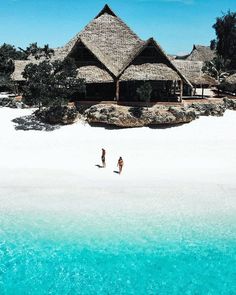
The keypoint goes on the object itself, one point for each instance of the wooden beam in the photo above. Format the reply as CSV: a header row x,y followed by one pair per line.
x,y
117,90
174,87
181,91
202,91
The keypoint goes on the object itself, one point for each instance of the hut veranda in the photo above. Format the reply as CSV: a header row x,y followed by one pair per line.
x,y
115,62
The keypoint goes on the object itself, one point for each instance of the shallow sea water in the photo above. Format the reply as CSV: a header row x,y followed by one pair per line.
x,y
115,244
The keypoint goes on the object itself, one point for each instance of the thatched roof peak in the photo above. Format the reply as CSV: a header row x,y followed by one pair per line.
x,y
109,38
201,53
106,9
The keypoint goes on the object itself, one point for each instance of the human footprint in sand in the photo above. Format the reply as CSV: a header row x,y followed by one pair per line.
x,y
120,164
103,158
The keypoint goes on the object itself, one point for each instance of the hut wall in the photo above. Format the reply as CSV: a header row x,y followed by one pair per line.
x,y
96,92
161,91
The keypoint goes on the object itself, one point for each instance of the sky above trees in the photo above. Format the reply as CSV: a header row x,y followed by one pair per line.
x,y
175,24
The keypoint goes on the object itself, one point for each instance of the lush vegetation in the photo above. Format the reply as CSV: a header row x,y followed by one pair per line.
x,y
38,52
51,83
216,68
225,42
8,53
225,46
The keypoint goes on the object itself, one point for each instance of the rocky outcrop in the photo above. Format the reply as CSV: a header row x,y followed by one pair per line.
x,y
230,103
124,116
137,117
11,102
58,115
208,108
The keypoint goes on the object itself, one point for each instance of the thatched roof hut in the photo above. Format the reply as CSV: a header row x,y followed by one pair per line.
x,y
193,72
108,51
199,53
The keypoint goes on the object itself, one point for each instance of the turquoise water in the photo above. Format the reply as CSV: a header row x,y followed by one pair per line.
x,y
115,250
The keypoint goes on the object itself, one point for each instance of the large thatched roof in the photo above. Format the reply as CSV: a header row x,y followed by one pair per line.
x,y
192,70
199,53
114,47
109,38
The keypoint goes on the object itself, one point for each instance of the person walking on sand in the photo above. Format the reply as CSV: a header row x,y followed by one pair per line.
x,y
120,164
103,158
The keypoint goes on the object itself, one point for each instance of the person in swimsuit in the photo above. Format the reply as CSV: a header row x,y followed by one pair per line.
x,y
120,164
103,158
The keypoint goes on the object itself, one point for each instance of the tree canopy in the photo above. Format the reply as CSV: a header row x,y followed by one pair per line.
x,y
225,43
38,52
51,83
7,54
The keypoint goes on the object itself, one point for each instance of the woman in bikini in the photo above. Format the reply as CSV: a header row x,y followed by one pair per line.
x,y
120,164
103,158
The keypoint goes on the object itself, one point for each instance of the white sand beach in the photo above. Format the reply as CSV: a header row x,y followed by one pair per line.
x,y
69,225
199,157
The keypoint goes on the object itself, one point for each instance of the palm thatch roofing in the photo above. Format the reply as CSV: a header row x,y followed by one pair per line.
x,y
199,53
149,71
193,72
161,69
94,74
19,68
231,79
110,40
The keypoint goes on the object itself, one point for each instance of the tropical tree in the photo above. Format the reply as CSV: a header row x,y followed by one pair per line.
x,y
216,68
225,43
10,52
38,52
7,54
51,83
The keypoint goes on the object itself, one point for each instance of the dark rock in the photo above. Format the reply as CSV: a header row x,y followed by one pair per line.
x,y
11,102
230,103
58,115
209,108
122,116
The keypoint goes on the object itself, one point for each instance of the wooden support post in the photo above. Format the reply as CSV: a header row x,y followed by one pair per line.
x,y
202,91
117,90
181,91
174,87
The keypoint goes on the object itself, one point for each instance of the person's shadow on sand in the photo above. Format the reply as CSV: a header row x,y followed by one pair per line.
x,y
99,166
117,172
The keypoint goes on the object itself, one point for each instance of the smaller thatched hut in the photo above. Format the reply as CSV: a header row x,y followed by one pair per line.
x,y
199,53
193,72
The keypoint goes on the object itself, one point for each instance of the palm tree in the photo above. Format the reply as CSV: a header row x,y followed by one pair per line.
x,y
216,68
